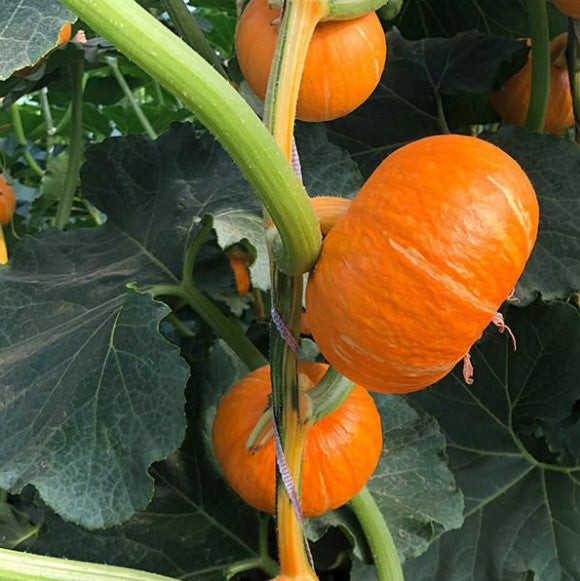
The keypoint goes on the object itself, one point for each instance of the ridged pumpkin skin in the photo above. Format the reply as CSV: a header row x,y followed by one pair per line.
x,y
513,100
344,63
569,7
430,247
341,451
7,202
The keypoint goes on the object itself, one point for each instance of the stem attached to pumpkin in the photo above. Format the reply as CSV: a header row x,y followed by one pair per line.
x,y
170,61
21,139
540,89
328,395
378,536
114,65
188,28
573,61
20,566
75,148
296,30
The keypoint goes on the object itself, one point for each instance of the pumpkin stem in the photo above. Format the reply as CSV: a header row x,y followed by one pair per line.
x,y
329,210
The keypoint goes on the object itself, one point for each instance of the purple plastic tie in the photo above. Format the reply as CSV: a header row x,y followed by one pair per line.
x,y
285,333
289,486
296,160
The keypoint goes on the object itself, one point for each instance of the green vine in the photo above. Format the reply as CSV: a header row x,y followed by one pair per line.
x,y
75,149
540,90
170,61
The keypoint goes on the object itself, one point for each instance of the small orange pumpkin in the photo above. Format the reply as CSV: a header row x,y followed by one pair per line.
x,y
7,202
239,261
430,247
340,454
513,100
344,63
570,8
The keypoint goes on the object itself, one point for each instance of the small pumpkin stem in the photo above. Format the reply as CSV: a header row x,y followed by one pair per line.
x,y
329,210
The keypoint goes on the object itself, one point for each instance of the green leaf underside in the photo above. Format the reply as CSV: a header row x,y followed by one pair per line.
x,y
28,29
521,516
91,393
420,18
412,485
553,166
404,107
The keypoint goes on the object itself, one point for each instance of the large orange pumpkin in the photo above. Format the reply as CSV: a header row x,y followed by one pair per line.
x,y
340,454
430,247
513,100
7,202
344,63
569,7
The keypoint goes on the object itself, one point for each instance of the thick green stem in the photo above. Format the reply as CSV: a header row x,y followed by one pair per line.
x,y
296,30
169,60
225,327
112,62
328,395
17,566
378,536
193,248
540,89
188,28
75,149
21,139
573,60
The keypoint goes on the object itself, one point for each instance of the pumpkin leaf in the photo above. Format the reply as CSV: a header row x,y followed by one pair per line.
x,y
194,528
83,363
521,514
15,526
413,459
420,18
29,29
553,166
409,101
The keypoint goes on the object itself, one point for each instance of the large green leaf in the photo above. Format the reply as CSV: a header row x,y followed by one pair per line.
x,y
28,29
91,393
420,18
195,528
419,75
521,516
553,166
412,484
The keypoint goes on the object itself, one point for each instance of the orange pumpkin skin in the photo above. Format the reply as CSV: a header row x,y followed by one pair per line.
x,y
239,262
513,100
569,7
344,63
430,247
7,202
340,454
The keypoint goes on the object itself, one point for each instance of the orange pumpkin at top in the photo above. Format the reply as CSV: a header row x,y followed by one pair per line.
x,y
344,63
513,100
340,454
569,7
7,202
430,247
